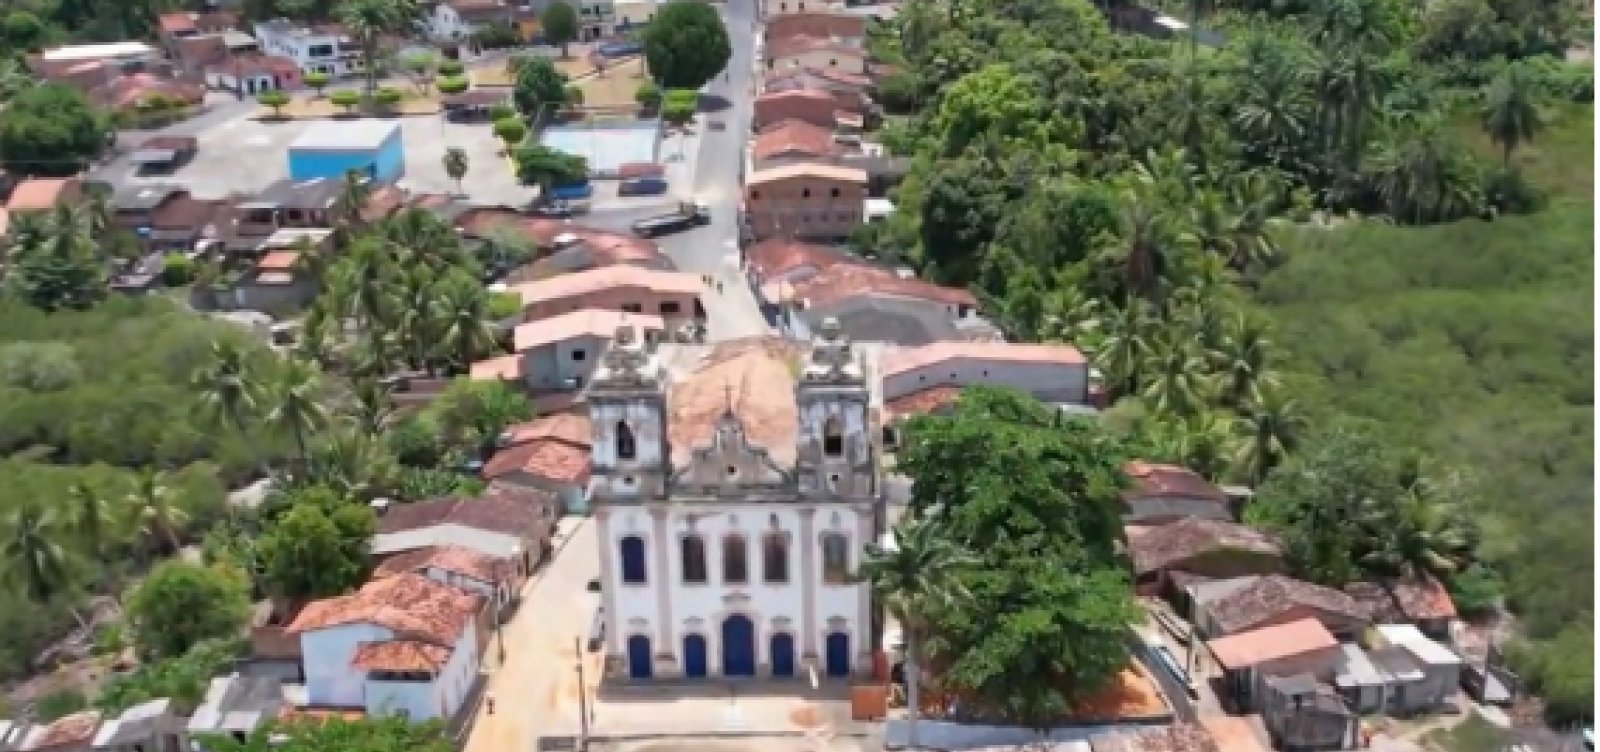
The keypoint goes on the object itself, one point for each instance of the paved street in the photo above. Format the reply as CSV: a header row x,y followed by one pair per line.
x,y
536,691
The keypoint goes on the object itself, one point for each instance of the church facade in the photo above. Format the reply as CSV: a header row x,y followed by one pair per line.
x,y
735,488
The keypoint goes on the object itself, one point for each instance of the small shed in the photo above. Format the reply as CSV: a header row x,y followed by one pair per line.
x,y
1437,673
1248,658
332,148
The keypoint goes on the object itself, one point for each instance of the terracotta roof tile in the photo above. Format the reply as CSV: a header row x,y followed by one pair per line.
x,y
503,368
1271,595
762,374
589,322
813,170
571,427
409,605
1423,597
76,729
922,401
1156,480
278,261
1259,646
128,90
184,212
455,559
793,137
501,512
847,280
1176,542
835,25
548,459
38,194
779,256
904,359
400,655
1179,737
582,283
177,23
202,51
800,43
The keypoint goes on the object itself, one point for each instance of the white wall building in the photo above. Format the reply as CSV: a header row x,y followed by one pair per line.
x,y
729,535
327,51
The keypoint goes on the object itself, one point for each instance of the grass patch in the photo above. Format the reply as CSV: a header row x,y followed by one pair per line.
x,y
1561,158
616,87
1471,735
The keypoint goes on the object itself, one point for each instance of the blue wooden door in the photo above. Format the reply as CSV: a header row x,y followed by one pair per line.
x,y
694,656
639,662
782,655
838,654
738,646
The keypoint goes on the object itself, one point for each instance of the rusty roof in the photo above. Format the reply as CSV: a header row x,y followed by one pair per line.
x,y
756,376
793,137
1156,480
1271,595
400,655
409,605
1162,546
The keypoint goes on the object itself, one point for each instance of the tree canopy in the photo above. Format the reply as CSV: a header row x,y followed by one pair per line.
x,y
559,22
389,733
539,86
319,547
1033,499
686,44
180,605
50,129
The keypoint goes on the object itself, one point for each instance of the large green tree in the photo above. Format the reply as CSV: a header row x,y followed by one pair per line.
x,y
1034,498
538,88
180,604
50,129
385,733
319,547
686,44
369,21
559,22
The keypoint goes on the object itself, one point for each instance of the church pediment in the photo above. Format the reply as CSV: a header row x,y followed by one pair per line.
x,y
729,462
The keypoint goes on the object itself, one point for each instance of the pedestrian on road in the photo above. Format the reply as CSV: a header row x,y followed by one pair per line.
x,y
719,287
488,702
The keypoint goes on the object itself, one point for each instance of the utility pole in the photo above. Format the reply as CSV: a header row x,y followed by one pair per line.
x,y
583,695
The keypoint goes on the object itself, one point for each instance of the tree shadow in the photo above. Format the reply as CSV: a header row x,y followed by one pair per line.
x,y
713,103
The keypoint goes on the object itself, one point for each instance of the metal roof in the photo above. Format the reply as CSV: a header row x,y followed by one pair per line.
x,y
346,135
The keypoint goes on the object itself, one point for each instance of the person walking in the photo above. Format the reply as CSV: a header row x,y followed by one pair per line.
x,y
488,702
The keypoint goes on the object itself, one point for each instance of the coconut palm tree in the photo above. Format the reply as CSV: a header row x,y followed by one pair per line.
x,y
33,557
367,21
1424,175
93,523
1416,533
1510,116
912,577
1268,430
1175,376
155,515
228,390
296,408
1242,360
371,407
463,315
1123,352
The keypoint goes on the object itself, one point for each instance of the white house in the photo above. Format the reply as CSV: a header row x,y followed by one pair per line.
x,y
734,487
316,50
460,19
401,645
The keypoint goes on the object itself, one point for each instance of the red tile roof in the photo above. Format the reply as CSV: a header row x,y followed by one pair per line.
x,y
1152,480
76,729
1267,644
571,427
1176,542
503,368
503,511
761,372
454,559
779,256
799,44
278,261
905,359
548,459
131,89
409,605
822,25
843,281
1423,597
1270,595
922,401
177,23
793,137
400,655
38,194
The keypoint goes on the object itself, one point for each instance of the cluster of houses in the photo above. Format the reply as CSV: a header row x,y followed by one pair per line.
x,y
409,641
809,172
1311,660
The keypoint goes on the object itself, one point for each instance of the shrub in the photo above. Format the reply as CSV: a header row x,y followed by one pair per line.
x,y
274,99
647,95
574,95
389,97
677,113
59,703
452,84
510,130
1509,192
451,68
504,305
346,99
177,270
317,80
682,97
498,112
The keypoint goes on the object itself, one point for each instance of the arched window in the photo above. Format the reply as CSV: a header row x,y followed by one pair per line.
x,y
833,437
693,553
735,565
633,567
626,448
774,558
835,558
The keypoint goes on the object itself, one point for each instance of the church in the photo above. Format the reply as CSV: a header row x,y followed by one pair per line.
x,y
735,487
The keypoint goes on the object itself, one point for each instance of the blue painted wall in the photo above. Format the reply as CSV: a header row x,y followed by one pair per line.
x,y
387,162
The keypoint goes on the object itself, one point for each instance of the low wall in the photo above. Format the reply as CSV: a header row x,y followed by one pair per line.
x,y
949,736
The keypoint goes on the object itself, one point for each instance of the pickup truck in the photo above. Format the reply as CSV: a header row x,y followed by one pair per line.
x,y
689,214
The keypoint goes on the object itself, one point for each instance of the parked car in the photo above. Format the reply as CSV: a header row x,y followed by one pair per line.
x,y
559,208
648,186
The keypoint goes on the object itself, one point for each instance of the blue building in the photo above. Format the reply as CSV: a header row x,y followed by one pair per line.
x,y
331,148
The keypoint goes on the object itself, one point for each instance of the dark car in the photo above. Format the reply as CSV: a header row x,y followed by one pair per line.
x,y
594,586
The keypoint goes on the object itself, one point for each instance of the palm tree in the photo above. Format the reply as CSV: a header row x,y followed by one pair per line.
x,y
1242,361
418,323
92,523
228,390
155,514
295,406
463,312
1417,533
372,406
1123,352
369,20
455,165
1268,430
1175,373
1424,175
1510,116
351,202
33,556
912,577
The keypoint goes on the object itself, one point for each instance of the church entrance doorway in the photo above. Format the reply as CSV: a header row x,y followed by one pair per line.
x,y
738,646
782,656
694,656
639,657
838,655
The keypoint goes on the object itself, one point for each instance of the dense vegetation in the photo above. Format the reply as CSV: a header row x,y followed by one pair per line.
x,y
1193,217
